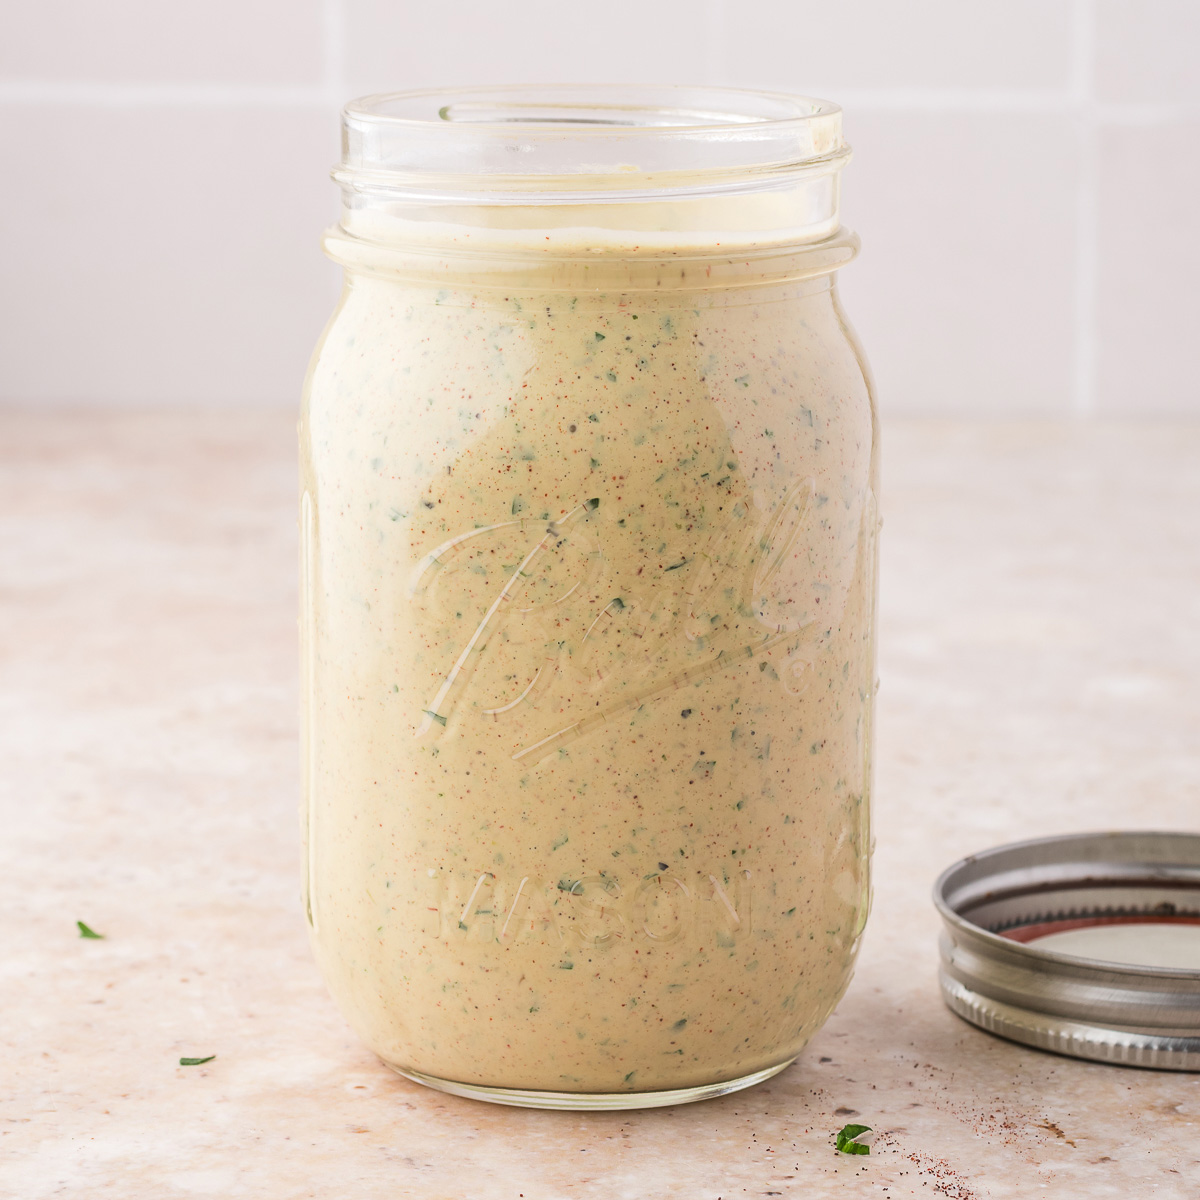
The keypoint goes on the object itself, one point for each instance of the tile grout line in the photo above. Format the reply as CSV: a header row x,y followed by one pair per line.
x,y
161,95
329,90
1087,122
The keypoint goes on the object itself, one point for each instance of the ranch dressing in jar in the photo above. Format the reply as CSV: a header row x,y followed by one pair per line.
x,y
588,536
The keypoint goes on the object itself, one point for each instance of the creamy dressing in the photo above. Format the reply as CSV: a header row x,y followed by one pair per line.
x,y
588,628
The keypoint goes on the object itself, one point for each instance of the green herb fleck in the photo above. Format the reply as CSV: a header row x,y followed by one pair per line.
x,y
86,931
846,1139
599,336
436,716
518,505
566,966
195,1062
629,1077
680,1023
676,566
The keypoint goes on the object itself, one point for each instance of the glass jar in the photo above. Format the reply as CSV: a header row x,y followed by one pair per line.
x,y
589,463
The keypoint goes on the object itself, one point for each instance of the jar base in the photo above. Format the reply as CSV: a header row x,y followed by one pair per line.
x,y
590,1101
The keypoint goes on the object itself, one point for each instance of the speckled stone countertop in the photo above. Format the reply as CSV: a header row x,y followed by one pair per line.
x,y
1040,665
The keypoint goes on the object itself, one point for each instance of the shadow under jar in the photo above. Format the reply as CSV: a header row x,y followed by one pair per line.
x,y
588,517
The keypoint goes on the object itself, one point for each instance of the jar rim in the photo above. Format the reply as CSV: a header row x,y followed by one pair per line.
x,y
584,141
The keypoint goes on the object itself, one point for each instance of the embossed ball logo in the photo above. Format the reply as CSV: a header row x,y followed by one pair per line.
x,y
565,643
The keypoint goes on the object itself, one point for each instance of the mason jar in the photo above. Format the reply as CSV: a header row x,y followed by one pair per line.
x,y
588,523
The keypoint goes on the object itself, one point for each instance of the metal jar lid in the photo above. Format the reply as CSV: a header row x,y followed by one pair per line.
x,y
996,905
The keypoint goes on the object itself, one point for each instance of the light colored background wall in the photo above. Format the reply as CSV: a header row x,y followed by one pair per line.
x,y
1026,179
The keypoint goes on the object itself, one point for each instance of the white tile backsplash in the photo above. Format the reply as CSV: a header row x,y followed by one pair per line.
x,y
150,41
1024,179
813,45
164,256
1148,50
390,47
1148,310
963,292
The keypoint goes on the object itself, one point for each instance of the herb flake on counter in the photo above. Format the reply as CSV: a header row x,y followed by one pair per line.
x,y
85,931
846,1139
195,1062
